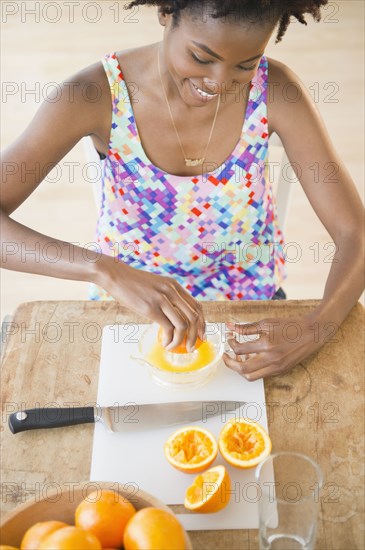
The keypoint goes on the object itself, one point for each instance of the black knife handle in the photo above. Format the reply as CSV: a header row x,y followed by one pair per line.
x,y
50,417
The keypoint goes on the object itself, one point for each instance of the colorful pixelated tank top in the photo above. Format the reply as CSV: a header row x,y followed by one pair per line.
x,y
216,233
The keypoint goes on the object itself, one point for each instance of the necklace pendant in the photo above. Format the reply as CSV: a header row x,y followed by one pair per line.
x,y
194,162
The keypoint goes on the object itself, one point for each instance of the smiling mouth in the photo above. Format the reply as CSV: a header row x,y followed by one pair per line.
x,y
203,93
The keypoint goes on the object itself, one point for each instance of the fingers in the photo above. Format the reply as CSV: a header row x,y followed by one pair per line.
x,y
162,300
247,347
198,315
245,329
178,313
245,365
195,322
192,312
253,368
275,351
234,363
238,365
175,325
262,373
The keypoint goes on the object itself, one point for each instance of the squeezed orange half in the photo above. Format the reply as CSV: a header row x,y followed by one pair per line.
x,y
191,449
210,491
243,443
158,356
181,348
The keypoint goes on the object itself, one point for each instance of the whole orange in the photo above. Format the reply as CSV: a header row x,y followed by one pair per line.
x,y
154,529
35,535
105,513
71,538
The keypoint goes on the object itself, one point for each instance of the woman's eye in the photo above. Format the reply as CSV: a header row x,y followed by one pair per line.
x,y
199,60
207,63
247,68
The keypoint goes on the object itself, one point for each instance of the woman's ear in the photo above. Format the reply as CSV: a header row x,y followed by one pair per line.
x,y
162,17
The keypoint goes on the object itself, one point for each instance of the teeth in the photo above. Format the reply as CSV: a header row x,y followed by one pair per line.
x,y
202,93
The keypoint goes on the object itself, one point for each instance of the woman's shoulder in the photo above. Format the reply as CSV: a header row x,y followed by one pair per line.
x,y
91,89
285,93
94,76
88,87
280,74
135,63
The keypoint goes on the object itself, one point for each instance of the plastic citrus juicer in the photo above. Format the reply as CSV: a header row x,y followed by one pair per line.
x,y
179,370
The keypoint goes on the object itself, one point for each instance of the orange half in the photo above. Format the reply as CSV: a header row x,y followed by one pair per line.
x,y
181,348
244,443
210,491
191,449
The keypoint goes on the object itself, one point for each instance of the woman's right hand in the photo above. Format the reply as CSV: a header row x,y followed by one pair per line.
x,y
156,297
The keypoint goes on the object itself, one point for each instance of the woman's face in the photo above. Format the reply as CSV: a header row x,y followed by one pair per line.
x,y
205,57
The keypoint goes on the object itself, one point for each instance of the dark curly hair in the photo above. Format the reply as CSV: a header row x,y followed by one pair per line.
x,y
241,10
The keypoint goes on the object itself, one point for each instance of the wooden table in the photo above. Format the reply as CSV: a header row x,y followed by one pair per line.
x,y
52,355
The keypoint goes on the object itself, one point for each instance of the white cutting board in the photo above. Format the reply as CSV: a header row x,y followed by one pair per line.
x,y
138,458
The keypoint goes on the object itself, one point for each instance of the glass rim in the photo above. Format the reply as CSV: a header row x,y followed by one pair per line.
x,y
307,458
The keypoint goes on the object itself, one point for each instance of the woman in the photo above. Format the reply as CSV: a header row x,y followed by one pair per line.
x,y
187,211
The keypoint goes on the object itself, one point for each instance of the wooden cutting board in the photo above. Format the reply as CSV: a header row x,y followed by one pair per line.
x,y
137,458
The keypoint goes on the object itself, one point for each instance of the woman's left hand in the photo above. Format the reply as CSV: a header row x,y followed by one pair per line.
x,y
281,344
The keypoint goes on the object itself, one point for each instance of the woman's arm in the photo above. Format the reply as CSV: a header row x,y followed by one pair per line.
x,y
55,129
337,204
53,132
334,199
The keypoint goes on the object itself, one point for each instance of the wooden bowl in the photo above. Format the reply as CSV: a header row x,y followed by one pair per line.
x,y
61,506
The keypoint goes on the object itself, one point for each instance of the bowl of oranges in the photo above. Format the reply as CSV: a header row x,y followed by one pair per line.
x,y
178,368
93,516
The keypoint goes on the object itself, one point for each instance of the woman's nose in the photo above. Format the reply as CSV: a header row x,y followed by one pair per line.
x,y
220,81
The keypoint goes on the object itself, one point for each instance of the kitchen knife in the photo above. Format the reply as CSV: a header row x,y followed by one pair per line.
x,y
128,417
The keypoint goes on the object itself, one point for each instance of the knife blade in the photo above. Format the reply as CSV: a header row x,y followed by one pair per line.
x,y
131,416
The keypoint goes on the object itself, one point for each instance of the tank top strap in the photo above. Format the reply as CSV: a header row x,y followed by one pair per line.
x,y
257,108
123,128
259,81
256,132
115,76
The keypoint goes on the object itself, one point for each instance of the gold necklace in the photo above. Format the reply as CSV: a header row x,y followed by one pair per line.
x,y
188,162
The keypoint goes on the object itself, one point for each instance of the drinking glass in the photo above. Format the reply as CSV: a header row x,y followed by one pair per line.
x,y
289,501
